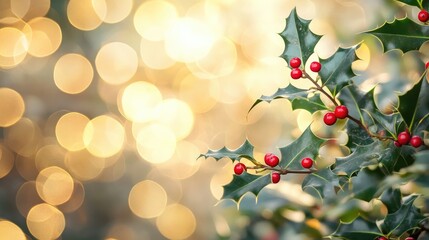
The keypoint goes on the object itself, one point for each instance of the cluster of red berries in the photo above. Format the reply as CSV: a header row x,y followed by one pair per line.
x,y
340,112
405,138
385,238
423,16
295,63
272,160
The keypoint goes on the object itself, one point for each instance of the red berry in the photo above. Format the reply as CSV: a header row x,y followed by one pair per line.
x,y
341,112
423,16
275,177
329,118
271,159
409,238
397,144
416,141
427,65
382,238
307,162
239,168
295,62
403,138
315,66
296,73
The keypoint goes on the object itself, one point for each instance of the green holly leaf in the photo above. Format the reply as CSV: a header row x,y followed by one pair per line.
x,y
406,218
244,151
417,3
359,229
414,105
336,71
321,184
299,40
307,145
298,98
244,183
366,184
392,199
402,34
421,163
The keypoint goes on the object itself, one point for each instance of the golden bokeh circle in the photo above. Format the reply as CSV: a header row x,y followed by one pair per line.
x,y
147,199
69,131
176,222
83,165
154,55
139,101
155,142
7,160
73,73
82,15
112,11
177,116
116,62
28,9
10,231
11,107
153,18
45,221
27,197
54,185
104,136
13,47
46,37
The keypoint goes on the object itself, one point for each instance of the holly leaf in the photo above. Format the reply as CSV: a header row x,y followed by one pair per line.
x,y
392,199
299,40
402,34
241,184
359,229
321,184
425,4
336,72
298,98
307,145
406,218
414,105
244,151
421,164
366,184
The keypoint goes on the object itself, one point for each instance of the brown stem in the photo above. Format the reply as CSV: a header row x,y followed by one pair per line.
x,y
382,138
320,88
280,170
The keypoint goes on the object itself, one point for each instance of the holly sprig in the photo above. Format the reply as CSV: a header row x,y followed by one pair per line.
x,y
383,146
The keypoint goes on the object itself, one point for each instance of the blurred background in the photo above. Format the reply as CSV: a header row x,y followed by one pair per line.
x,y
105,106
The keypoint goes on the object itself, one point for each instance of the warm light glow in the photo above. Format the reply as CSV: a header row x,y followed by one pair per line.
x,y
112,11
184,158
7,159
73,73
189,40
156,143
45,222
154,55
49,155
13,47
177,222
147,199
28,9
116,62
69,131
139,101
54,185
177,116
153,18
11,107
84,166
10,231
83,16
46,37
104,136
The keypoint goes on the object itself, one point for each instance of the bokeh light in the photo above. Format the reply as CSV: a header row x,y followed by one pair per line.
x,y
46,37
116,62
54,185
177,222
14,45
153,18
10,230
73,73
147,199
69,131
12,107
112,11
45,221
83,16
